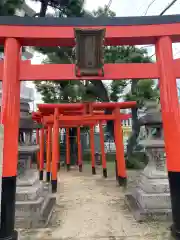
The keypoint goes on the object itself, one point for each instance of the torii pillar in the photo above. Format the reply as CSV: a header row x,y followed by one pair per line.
x,y
67,150
103,154
10,113
120,160
55,151
170,116
79,148
48,153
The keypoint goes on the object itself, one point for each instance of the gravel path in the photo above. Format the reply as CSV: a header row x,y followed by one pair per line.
x,y
89,208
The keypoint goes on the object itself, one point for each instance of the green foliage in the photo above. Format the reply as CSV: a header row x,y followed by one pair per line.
x,y
123,54
126,54
50,91
140,91
145,90
117,88
74,9
110,157
103,12
67,10
138,160
8,7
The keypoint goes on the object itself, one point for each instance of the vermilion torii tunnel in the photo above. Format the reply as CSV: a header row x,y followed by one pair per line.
x,y
16,32
77,115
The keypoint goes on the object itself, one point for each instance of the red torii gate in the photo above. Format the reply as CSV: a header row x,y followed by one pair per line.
x,y
15,32
48,124
83,118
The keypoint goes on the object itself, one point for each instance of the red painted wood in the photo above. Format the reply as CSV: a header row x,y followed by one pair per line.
x,y
64,36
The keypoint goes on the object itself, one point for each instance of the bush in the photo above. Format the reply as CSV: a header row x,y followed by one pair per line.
x,y
138,160
110,157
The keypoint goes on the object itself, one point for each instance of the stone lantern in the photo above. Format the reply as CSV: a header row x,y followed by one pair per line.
x,y
150,199
34,201
89,52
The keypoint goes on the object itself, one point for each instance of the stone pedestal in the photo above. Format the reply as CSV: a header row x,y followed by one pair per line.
x,y
34,201
150,200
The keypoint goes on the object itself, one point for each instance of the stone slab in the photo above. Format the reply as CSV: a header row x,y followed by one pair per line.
x,y
47,189
30,199
30,178
23,165
154,185
152,173
143,214
152,200
30,193
29,208
34,201
27,149
37,219
47,210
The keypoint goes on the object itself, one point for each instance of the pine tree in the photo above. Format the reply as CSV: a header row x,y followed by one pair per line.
x,y
9,7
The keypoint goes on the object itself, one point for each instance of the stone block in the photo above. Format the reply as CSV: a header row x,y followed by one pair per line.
x,y
37,215
30,178
29,193
144,214
153,185
152,200
23,165
27,150
34,201
29,208
151,172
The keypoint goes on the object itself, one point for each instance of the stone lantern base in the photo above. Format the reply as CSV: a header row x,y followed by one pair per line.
x,y
150,199
34,199
147,206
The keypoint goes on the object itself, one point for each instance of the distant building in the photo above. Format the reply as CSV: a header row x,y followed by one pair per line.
x,y
126,126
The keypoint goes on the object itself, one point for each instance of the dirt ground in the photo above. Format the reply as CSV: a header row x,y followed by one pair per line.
x,y
90,207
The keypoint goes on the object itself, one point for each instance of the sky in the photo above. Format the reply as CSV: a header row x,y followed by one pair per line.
x,y
124,8
127,7
134,7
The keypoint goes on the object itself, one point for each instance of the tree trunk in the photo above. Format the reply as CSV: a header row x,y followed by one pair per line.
x,y
110,124
132,141
44,5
